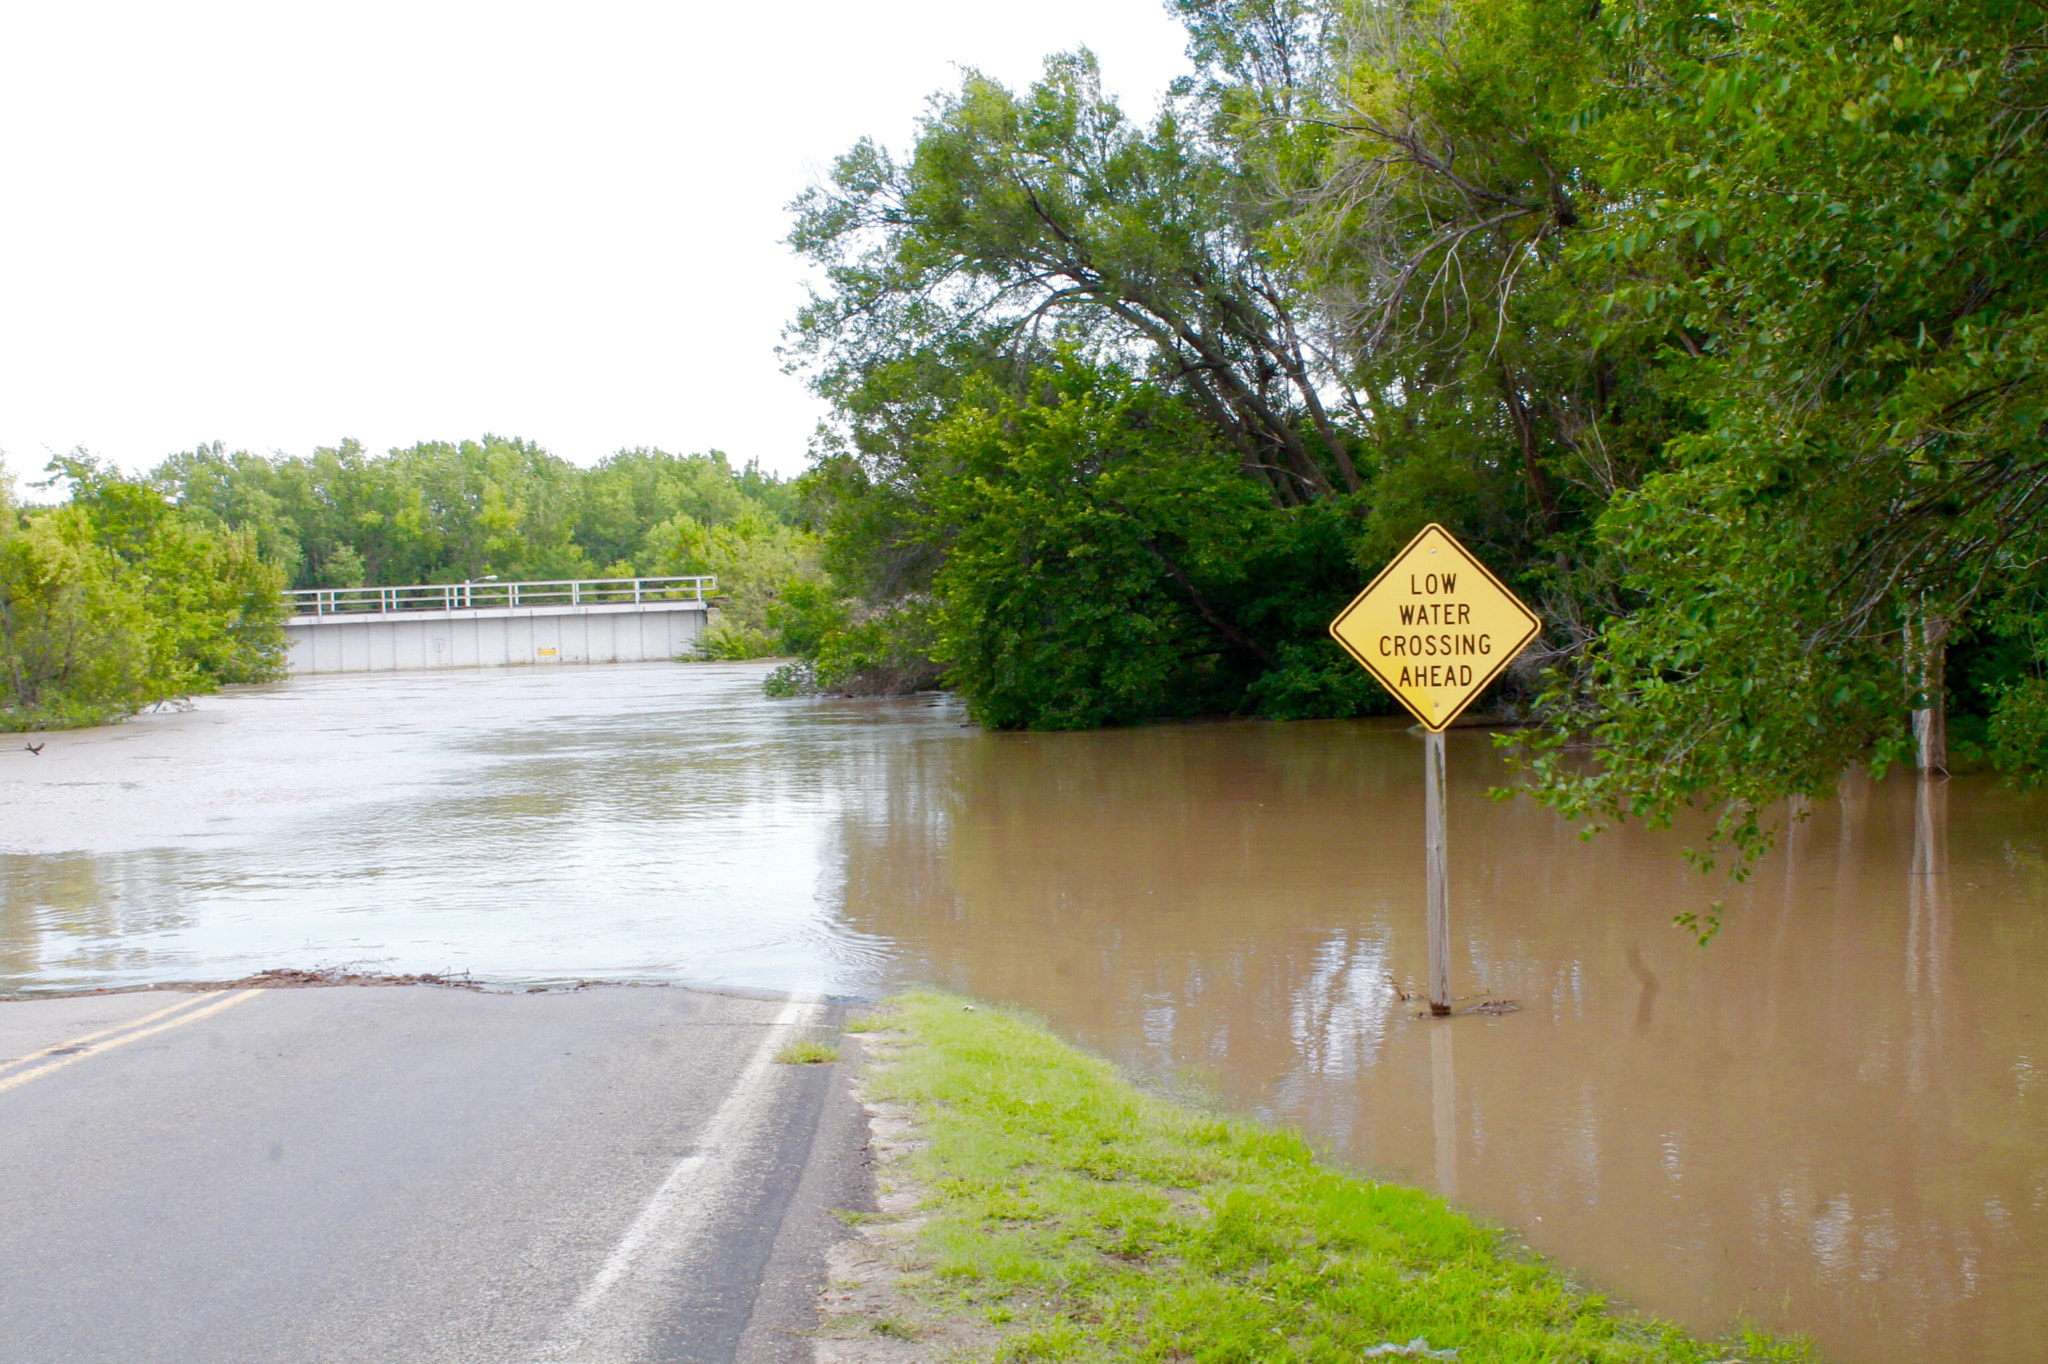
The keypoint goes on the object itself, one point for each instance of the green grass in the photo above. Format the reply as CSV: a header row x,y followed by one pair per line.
x,y
1102,1222
807,1051
874,1022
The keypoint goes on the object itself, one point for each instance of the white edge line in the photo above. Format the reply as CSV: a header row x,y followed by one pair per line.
x,y
711,1139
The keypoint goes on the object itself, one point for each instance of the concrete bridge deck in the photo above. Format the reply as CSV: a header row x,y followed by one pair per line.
x,y
493,624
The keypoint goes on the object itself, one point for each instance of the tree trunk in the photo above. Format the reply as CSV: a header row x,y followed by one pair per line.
x,y
1525,433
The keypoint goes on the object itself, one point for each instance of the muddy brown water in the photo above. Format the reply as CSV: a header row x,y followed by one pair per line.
x,y
1833,1119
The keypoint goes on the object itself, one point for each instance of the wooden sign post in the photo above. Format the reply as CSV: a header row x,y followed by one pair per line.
x,y
1436,628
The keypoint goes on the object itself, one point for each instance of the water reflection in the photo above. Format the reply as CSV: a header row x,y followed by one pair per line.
x,y
594,822
1443,1090
1927,920
1834,1117
81,913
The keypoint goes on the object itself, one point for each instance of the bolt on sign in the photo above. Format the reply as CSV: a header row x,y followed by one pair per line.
x,y
1435,627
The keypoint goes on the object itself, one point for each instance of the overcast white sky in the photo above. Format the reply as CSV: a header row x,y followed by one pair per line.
x,y
279,224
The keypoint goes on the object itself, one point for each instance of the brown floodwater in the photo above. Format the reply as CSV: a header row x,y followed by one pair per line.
x,y
1833,1119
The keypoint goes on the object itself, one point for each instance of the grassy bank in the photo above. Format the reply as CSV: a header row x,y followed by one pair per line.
x,y
1075,1216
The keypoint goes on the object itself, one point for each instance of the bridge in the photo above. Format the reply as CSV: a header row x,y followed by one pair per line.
x,y
488,624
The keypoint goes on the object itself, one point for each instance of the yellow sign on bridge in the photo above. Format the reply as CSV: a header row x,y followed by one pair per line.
x,y
1435,627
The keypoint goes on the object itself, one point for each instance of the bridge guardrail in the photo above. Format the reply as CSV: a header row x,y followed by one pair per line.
x,y
466,596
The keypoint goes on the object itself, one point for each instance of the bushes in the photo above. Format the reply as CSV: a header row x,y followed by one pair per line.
x,y
756,560
73,636
1090,531
119,599
1100,560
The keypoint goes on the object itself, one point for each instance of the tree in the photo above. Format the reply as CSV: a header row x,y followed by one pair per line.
x,y
213,610
1089,527
1032,232
444,511
757,561
119,599
1019,219
73,639
628,494
1716,330
1847,210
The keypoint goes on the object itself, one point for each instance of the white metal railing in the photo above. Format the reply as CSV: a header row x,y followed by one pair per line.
x,y
332,601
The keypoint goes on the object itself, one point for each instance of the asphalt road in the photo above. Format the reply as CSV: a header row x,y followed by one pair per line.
x,y
416,1173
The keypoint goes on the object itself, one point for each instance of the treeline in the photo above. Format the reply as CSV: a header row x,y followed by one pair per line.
x,y
1718,331
444,512
142,589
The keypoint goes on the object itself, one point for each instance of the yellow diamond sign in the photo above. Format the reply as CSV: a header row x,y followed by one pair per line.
x,y
1435,627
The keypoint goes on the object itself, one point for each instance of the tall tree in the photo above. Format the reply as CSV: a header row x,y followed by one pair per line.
x,y
1847,210
1051,216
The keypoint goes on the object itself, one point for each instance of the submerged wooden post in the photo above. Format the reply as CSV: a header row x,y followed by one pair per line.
x,y
1437,871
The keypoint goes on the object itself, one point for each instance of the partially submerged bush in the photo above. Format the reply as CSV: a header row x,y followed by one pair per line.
x,y
119,599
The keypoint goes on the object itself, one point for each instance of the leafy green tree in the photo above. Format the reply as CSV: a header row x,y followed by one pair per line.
x,y
756,559
1020,218
491,506
1847,211
1107,562
242,491
449,511
73,646
1716,330
628,494
118,599
213,611
1025,230
1084,546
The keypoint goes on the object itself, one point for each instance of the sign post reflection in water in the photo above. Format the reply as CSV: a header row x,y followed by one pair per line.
x,y
1436,628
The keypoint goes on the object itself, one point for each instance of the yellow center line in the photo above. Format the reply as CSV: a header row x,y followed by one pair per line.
x,y
190,1016
65,1047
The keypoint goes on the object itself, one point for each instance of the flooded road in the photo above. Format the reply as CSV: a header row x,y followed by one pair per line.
x,y
1832,1119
